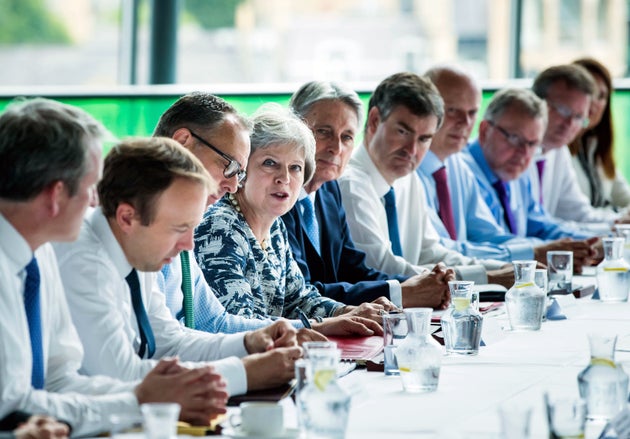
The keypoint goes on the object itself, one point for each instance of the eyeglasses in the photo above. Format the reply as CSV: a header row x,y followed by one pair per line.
x,y
232,168
566,113
514,139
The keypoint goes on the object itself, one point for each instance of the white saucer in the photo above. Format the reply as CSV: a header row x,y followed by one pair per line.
x,y
289,433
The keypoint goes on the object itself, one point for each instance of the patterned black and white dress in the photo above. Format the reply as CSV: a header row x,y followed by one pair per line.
x,y
248,280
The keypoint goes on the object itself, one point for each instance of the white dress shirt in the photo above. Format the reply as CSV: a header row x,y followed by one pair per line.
x,y
86,403
93,270
562,196
615,190
362,188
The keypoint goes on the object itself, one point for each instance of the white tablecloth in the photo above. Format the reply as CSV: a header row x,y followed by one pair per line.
x,y
512,367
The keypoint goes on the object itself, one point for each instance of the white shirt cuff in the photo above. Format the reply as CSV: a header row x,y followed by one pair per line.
x,y
233,372
234,345
476,273
395,292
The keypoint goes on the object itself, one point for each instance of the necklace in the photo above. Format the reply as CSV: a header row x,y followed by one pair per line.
x,y
264,243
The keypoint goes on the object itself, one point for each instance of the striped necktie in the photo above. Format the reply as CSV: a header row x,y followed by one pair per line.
x,y
187,304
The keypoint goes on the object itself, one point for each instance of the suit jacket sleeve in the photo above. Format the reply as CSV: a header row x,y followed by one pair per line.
x,y
340,272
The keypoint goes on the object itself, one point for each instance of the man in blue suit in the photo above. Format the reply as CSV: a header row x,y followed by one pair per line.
x,y
318,232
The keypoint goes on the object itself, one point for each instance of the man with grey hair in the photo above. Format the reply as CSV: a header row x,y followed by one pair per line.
x,y
568,90
50,160
317,227
451,189
383,196
511,130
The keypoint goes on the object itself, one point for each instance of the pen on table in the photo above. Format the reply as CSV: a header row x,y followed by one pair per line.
x,y
304,319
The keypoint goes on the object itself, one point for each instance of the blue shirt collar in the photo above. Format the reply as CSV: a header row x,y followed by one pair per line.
x,y
477,154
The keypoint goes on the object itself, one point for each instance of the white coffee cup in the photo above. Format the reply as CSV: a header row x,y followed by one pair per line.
x,y
260,418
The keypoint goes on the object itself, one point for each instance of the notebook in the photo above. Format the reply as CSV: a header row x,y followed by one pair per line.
x,y
359,349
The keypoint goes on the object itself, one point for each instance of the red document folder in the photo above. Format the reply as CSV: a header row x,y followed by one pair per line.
x,y
359,348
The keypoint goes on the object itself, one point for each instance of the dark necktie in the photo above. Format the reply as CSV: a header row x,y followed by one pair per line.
x,y
540,165
310,222
187,304
445,208
392,221
499,186
33,315
146,334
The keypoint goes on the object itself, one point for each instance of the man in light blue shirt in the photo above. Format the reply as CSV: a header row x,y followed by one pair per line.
x,y
511,131
474,231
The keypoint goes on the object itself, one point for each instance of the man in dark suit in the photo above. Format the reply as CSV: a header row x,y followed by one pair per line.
x,y
318,232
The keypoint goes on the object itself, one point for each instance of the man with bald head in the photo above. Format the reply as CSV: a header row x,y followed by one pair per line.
x,y
451,188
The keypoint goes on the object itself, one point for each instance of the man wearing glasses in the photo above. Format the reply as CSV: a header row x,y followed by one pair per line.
x,y
218,136
451,189
568,90
198,116
512,128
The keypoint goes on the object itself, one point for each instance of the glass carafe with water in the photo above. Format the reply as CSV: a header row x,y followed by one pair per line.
x,y
418,357
613,273
462,323
324,406
623,231
525,302
603,384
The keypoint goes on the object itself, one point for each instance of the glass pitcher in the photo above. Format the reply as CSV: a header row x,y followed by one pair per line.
x,y
603,384
323,405
613,273
623,231
462,323
525,302
418,358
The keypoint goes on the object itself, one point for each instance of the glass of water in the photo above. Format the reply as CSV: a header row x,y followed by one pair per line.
x,y
560,270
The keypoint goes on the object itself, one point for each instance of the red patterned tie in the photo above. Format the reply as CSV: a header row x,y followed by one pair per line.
x,y
445,209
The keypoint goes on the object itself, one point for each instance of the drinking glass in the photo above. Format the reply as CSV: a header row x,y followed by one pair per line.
x,y
560,268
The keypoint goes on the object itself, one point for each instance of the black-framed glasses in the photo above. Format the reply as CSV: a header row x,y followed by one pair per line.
x,y
232,168
514,139
566,113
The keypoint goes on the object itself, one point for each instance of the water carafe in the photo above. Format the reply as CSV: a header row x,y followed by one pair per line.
x,y
525,302
613,273
462,323
603,384
418,358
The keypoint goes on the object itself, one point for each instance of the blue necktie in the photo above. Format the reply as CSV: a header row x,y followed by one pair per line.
x,y
146,334
310,222
33,315
392,221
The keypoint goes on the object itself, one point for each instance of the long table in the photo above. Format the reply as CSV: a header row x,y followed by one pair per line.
x,y
512,367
